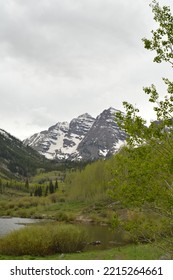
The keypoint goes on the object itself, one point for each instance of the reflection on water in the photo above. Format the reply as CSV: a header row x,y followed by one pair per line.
x,y
106,236
9,224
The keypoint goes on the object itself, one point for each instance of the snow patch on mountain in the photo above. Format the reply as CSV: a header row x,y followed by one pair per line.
x,y
5,134
84,138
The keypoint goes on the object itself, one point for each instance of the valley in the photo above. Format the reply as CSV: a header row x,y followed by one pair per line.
x,y
83,198
125,193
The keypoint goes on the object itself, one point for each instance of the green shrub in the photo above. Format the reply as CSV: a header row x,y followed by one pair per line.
x,y
68,239
144,227
66,217
41,240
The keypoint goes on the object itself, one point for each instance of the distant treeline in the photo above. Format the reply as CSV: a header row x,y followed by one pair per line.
x,y
8,187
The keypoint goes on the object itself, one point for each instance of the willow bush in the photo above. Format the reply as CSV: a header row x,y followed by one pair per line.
x,y
42,240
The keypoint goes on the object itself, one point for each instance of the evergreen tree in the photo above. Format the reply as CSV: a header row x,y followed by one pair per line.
x,y
51,187
1,187
56,184
35,192
39,191
27,184
46,191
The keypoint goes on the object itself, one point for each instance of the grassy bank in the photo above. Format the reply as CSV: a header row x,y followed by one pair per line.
x,y
130,252
55,206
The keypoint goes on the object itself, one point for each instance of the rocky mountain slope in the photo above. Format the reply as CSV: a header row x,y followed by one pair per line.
x,y
18,160
84,138
103,139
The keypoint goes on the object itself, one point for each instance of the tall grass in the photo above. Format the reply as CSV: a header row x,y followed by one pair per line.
x,y
42,240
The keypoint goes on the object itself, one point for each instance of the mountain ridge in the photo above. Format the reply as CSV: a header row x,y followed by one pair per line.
x,y
83,138
18,160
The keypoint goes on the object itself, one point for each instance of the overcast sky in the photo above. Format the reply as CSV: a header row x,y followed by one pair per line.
x,y
62,58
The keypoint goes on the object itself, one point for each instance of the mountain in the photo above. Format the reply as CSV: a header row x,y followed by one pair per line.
x,y
18,160
61,140
103,139
84,138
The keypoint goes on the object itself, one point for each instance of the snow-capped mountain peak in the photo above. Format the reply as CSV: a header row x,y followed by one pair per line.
x,y
84,138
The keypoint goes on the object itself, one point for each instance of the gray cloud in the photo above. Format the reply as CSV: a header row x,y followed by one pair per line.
x,y
63,58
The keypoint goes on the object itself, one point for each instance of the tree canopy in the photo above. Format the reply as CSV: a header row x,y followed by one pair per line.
x,y
159,130
143,170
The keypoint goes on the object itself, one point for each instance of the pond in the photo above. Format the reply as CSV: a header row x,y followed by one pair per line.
x,y
103,237
9,224
99,237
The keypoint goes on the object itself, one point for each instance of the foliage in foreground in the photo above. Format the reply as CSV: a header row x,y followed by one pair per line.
x,y
43,240
152,184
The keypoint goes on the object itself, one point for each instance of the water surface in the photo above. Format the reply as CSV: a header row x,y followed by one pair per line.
x,y
9,224
106,236
99,237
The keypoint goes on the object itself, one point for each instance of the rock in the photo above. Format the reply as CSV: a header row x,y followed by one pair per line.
x,y
167,256
95,243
